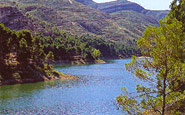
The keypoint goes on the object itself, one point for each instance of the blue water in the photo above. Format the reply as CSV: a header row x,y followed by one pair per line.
x,y
94,93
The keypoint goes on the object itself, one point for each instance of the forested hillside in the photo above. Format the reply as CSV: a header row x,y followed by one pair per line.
x,y
66,32
79,19
22,58
51,21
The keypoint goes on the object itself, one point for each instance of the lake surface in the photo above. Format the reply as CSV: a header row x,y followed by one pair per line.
x,y
94,93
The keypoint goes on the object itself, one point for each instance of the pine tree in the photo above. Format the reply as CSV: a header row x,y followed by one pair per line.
x,y
164,71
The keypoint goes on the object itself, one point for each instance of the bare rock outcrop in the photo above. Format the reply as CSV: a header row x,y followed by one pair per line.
x,y
14,18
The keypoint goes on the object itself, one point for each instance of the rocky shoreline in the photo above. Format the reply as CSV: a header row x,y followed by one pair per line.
x,y
47,78
81,62
32,80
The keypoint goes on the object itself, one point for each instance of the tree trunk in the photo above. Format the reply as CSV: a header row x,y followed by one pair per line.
x,y
164,89
164,96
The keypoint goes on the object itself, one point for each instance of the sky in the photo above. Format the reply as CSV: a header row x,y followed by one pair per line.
x,y
148,4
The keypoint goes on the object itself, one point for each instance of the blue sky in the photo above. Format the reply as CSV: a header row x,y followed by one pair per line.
x,y
148,4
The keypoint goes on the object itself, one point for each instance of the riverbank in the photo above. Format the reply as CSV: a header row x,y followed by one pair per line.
x,y
30,75
95,90
79,62
34,80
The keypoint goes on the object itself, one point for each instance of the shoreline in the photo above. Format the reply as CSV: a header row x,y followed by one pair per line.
x,y
77,63
48,78
30,80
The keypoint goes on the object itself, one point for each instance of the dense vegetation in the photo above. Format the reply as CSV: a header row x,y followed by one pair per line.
x,y
48,43
93,34
89,34
164,71
177,11
67,47
22,56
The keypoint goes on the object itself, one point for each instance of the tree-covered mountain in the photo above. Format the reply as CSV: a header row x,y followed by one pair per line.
x,y
79,26
63,30
78,19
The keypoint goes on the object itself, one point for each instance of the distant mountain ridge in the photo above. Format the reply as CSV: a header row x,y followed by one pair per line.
x,y
122,5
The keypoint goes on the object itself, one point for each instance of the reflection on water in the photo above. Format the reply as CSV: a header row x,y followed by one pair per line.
x,y
93,93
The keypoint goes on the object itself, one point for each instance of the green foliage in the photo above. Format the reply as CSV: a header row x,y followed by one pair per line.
x,y
38,51
178,11
24,45
164,71
21,55
6,39
50,56
66,46
131,105
96,54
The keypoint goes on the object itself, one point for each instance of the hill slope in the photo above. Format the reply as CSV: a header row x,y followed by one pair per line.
x,y
133,21
79,19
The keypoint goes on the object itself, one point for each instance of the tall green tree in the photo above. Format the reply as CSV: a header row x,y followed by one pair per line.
x,y
164,71
18,49
38,53
178,11
24,45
